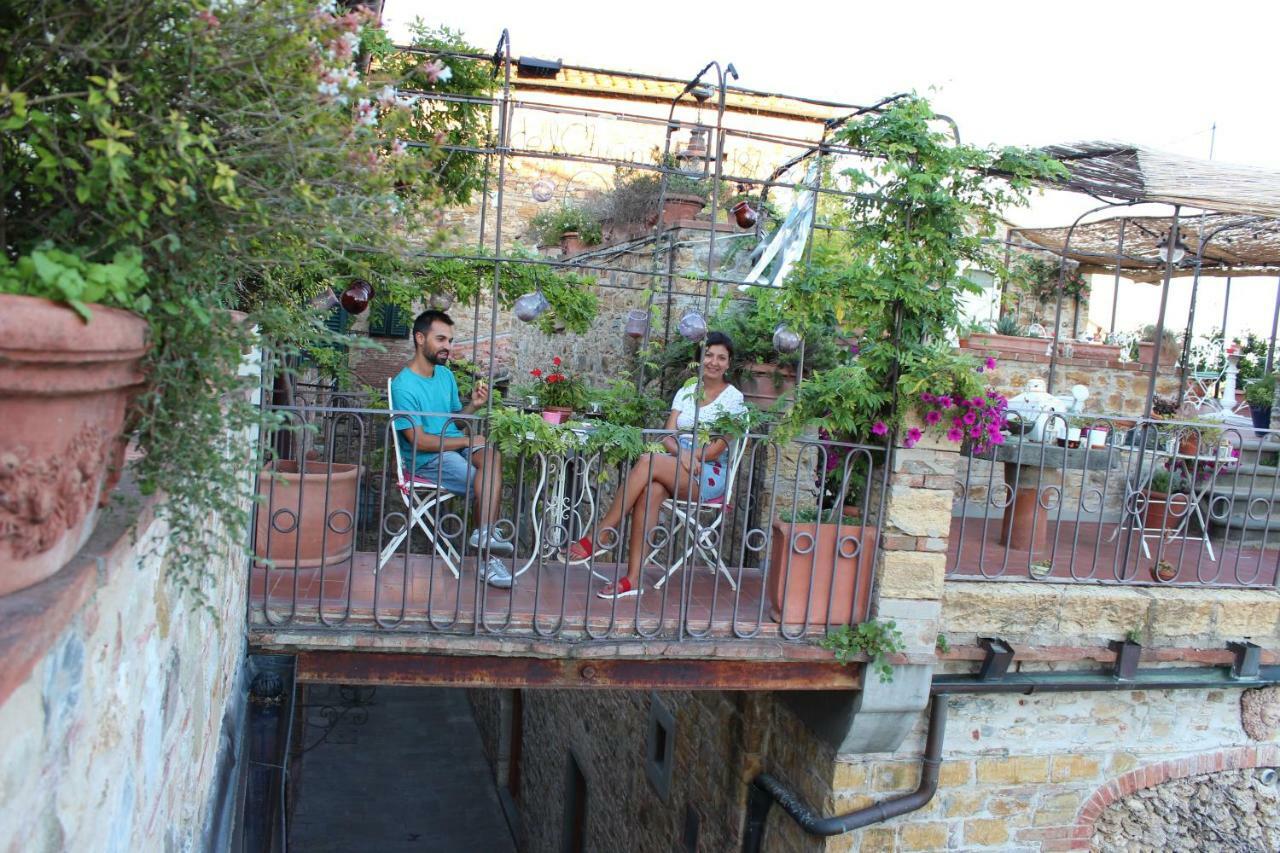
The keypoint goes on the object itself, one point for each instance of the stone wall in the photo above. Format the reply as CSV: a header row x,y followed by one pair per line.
x,y
1217,811
113,693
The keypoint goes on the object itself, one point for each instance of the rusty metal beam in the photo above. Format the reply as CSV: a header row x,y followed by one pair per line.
x,y
375,668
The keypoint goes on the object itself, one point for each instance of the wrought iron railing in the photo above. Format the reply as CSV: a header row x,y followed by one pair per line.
x,y
341,541
1107,499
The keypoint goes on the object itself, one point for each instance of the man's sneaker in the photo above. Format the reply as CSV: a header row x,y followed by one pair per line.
x,y
496,573
497,545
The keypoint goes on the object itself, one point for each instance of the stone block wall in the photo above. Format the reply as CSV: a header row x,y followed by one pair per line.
x,y
113,692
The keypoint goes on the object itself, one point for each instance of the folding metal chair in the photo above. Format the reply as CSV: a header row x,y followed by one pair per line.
x,y
420,496
696,526
1202,385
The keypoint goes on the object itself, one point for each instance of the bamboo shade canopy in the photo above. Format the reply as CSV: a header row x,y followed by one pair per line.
x,y
1116,170
1233,245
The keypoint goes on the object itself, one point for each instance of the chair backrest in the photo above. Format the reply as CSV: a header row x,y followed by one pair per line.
x,y
737,451
395,436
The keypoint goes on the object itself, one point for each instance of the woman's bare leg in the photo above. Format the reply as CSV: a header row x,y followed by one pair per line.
x,y
650,469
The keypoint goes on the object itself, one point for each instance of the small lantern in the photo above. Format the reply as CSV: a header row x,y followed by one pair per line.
x,y
637,323
785,340
693,327
531,306
356,297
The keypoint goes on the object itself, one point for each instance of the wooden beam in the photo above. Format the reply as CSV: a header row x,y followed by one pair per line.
x,y
390,668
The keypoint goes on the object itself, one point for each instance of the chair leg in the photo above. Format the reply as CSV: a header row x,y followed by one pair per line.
x,y
445,553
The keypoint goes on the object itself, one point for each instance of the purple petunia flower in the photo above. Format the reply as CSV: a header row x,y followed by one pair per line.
x,y
970,417
997,437
954,434
879,428
975,432
932,416
945,401
913,435
990,363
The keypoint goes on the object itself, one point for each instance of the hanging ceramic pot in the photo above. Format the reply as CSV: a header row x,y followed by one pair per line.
x,y
693,327
531,306
356,297
442,301
785,340
745,215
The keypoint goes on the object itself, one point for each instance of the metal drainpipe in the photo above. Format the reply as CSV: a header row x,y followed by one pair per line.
x,y
766,789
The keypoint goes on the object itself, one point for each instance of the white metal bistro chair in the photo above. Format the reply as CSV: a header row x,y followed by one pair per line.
x,y
696,527
1201,386
421,496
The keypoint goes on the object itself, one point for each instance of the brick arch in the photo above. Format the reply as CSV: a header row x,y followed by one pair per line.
x,y
1237,758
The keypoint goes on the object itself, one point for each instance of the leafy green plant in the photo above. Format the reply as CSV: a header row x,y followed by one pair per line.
x,y
624,406
572,296
942,644
1133,635
617,445
515,432
553,224
1038,277
556,387
1253,356
1261,393
1166,482
179,162
919,217
875,639
461,120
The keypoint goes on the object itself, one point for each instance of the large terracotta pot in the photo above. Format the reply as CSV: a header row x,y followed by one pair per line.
x,y
841,576
762,384
64,388
678,206
1162,511
291,529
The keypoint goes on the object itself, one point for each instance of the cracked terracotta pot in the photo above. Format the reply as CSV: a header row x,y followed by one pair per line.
x,y
64,388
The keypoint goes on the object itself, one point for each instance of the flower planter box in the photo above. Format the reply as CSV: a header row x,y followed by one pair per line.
x,y
296,528
1147,352
1009,343
65,386
817,579
762,384
1085,349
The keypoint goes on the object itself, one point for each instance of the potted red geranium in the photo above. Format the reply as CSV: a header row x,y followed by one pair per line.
x,y
559,392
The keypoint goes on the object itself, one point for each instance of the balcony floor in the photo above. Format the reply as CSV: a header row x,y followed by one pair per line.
x,y
1083,553
550,601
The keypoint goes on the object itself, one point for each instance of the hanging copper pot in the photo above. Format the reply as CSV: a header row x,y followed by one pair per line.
x,y
356,297
745,214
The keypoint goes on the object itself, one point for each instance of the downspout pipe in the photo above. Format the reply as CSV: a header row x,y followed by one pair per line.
x,y
765,789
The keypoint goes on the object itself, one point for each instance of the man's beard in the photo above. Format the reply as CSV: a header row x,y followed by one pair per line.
x,y
440,357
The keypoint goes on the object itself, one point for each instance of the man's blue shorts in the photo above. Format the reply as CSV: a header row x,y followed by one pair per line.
x,y
451,470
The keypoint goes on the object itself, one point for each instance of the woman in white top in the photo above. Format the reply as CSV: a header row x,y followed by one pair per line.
x,y
687,471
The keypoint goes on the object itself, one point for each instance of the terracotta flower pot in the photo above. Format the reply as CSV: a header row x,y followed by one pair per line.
x,y
762,384
64,388
295,526
840,570
1162,511
571,243
677,206
1009,343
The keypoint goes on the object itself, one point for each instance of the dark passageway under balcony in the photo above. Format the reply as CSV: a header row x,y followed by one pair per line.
x,y
394,769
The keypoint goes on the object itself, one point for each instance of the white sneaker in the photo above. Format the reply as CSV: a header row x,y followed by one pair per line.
x,y
496,574
496,544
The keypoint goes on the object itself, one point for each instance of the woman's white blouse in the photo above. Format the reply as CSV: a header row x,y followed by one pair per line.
x,y
685,404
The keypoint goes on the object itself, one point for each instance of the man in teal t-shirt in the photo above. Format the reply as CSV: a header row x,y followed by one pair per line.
x,y
431,444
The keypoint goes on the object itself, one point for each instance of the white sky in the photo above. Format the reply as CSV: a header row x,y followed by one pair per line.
x,y
1022,73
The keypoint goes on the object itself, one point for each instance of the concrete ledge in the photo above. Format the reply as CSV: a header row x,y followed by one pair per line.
x,y
32,619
